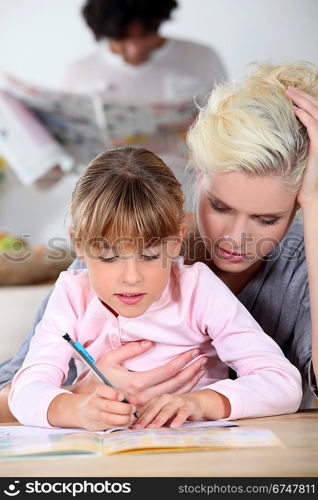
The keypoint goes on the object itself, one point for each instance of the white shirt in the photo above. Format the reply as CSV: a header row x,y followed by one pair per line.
x,y
177,70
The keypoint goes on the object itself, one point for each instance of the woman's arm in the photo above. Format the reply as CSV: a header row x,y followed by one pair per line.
x,y
174,377
307,112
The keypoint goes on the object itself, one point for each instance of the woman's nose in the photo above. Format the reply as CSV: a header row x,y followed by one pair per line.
x,y
236,233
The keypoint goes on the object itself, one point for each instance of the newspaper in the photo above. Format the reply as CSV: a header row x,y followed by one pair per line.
x,y
29,149
86,124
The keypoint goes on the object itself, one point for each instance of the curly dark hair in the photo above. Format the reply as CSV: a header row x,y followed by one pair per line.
x,y
110,18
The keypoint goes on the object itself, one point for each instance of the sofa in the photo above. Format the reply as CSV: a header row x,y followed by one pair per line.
x,y
18,307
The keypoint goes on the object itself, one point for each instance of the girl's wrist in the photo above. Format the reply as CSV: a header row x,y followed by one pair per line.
x,y
64,410
214,405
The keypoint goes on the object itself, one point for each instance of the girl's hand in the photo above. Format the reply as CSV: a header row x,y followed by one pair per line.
x,y
306,110
175,410
170,378
104,408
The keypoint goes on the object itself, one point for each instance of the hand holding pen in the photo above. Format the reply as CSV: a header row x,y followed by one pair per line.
x,y
90,362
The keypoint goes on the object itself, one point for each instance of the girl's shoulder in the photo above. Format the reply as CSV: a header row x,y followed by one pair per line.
x,y
73,276
74,282
197,275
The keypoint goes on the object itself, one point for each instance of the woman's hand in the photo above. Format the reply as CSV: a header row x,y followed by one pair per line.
x,y
171,378
306,110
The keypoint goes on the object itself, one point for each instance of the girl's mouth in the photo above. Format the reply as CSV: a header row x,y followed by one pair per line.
x,y
130,298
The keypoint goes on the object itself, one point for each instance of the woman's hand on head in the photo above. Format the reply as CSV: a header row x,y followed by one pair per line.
x,y
306,110
173,377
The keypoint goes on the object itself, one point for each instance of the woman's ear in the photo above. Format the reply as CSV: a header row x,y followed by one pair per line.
x,y
78,247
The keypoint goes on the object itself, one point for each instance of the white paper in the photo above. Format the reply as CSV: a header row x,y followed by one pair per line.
x,y
30,431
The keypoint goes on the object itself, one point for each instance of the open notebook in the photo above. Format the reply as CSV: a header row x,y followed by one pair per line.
x,y
27,442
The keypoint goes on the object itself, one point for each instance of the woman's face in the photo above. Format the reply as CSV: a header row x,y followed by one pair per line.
x,y
242,218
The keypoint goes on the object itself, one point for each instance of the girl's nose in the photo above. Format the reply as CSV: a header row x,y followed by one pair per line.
x,y
131,273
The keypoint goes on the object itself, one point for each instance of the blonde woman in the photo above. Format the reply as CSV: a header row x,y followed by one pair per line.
x,y
255,151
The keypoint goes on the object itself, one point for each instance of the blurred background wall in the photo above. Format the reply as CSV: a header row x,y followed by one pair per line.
x,y
38,38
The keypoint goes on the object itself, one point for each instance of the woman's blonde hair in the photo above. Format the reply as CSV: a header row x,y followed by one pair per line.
x,y
251,126
126,193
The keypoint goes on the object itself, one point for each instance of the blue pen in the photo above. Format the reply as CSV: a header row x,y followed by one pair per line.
x,y
89,361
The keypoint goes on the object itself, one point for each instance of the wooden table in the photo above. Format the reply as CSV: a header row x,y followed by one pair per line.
x,y
299,458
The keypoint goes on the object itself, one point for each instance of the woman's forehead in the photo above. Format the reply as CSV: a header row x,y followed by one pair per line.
x,y
253,194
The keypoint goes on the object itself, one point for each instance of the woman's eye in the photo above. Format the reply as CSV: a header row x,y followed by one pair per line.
x,y
268,222
216,207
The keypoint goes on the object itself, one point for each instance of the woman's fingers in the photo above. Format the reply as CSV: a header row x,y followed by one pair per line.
x,y
306,110
182,382
310,123
173,377
164,373
303,100
187,387
125,352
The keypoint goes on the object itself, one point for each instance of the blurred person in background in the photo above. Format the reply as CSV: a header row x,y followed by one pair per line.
x,y
133,60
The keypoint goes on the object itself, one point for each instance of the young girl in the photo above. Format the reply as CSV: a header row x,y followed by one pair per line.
x,y
127,225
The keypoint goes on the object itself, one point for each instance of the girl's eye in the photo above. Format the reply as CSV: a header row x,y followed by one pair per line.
x,y
107,259
214,206
150,257
268,222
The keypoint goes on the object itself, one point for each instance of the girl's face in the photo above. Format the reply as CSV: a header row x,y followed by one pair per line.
x,y
129,280
242,218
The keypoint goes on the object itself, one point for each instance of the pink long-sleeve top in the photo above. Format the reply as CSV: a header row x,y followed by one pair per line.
x,y
196,310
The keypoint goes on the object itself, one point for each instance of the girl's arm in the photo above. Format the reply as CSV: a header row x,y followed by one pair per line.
x,y
47,362
307,112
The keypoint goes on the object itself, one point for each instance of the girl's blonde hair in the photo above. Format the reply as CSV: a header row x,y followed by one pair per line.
x,y
126,193
251,126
